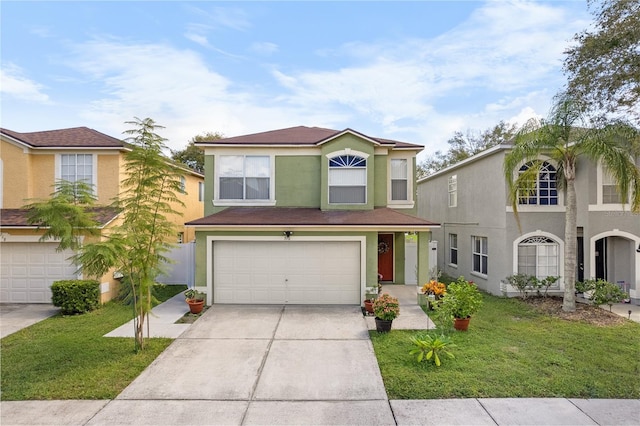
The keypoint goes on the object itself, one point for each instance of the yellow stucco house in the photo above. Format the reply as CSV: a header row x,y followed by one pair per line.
x,y
30,164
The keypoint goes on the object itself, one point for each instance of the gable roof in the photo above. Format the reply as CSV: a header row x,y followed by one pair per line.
x,y
76,137
239,217
302,136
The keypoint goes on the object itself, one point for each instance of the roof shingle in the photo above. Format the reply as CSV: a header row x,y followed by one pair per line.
x,y
18,217
293,216
77,137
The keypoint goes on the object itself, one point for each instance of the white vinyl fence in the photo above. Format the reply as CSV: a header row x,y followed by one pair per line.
x,y
182,269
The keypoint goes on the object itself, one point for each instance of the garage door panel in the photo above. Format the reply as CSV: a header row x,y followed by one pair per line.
x,y
29,269
296,272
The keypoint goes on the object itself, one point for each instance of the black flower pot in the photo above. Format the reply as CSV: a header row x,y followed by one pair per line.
x,y
383,326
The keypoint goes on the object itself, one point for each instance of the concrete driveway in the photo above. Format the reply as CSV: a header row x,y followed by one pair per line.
x,y
261,365
16,316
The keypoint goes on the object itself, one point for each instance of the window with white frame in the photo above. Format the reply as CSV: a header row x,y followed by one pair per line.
x,y
542,190
610,194
480,255
77,168
453,191
183,184
200,191
538,256
399,180
453,249
244,177
347,180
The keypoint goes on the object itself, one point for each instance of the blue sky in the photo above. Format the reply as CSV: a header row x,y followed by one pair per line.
x,y
411,71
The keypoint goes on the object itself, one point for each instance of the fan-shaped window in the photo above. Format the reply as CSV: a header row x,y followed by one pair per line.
x,y
347,180
543,190
538,256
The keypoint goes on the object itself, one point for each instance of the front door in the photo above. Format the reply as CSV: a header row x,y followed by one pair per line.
x,y
385,256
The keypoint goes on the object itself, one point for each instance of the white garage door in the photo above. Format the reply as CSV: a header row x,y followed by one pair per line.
x,y
27,271
294,272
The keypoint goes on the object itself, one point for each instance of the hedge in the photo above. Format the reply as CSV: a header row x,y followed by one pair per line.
x,y
76,296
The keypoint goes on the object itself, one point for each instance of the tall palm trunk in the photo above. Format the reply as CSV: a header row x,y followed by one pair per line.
x,y
570,243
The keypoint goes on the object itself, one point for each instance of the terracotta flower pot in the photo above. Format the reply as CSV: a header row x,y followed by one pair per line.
x,y
461,324
195,306
368,306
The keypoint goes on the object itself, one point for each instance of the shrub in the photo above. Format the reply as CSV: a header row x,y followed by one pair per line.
x,y
76,296
523,283
386,307
603,292
461,300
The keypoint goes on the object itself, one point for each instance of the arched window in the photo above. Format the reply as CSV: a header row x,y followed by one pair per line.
x,y
539,256
347,180
543,191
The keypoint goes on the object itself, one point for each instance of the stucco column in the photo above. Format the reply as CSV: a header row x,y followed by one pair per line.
x,y
423,257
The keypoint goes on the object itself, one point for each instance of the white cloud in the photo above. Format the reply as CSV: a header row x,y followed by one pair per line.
x,y
492,67
264,48
14,83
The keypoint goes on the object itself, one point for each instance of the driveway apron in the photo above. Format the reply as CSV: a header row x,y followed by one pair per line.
x,y
242,364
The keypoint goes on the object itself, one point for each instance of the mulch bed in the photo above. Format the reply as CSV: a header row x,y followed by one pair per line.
x,y
590,314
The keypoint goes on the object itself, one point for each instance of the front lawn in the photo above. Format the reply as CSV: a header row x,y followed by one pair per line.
x,y
66,357
512,350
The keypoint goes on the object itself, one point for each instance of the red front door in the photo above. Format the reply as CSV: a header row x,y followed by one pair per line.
x,y
385,256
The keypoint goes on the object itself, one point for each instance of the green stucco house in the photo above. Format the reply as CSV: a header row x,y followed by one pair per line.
x,y
306,215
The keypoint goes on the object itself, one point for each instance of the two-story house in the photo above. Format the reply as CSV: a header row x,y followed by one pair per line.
x,y
30,164
480,237
306,215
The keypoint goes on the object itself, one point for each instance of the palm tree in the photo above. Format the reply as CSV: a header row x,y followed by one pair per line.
x,y
564,137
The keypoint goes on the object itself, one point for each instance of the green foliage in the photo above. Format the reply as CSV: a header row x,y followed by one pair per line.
x,y
602,292
527,283
137,246
428,348
523,283
603,66
66,215
193,294
461,300
515,351
193,156
386,307
75,296
463,146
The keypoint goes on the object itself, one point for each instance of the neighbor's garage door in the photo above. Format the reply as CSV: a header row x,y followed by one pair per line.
x,y
27,271
295,272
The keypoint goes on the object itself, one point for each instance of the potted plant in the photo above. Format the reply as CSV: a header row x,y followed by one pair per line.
x,y
461,300
195,300
372,294
432,292
386,308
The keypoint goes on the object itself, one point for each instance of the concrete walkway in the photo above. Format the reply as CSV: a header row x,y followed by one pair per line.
x,y
244,365
16,316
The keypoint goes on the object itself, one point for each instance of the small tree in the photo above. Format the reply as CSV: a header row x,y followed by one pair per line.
x,y
137,246
192,156
66,215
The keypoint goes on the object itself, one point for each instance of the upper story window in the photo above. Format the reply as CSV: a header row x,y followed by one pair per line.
x,y
244,177
347,180
453,190
399,180
76,168
543,189
610,194
183,184
200,191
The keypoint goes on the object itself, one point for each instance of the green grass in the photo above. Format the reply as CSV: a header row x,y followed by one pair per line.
x,y
511,350
66,357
